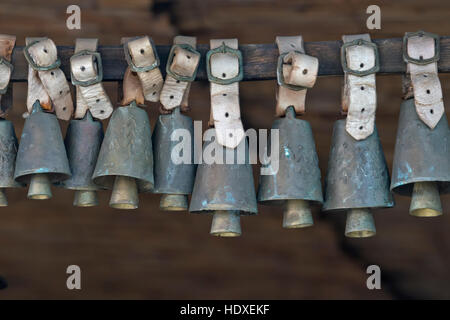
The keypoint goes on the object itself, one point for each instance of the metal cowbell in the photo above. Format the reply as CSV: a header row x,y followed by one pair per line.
x,y
172,179
8,153
83,140
296,183
225,189
357,180
125,161
41,158
421,166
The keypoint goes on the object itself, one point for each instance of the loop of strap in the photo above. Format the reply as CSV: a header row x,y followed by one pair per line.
x,y
296,72
144,61
175,91
225,109
50,86
359,98
7,44
86,75
424,77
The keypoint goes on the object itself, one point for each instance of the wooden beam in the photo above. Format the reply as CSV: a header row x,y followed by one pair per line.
x,y
260,60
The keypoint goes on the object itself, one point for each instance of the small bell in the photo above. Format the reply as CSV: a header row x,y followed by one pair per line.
x,y
421,166
297,182
41,158
357,180
225,190
83,141
174,181
125,161
8,153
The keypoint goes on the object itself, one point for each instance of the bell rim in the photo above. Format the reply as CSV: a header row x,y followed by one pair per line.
x,y
281,201
98,181
211,211
343,209
405,188
54,176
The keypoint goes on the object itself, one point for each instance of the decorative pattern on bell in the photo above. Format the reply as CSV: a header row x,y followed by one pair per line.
x,y
41,158
83,140
421,166
174,180
225,190
8,153
297,181
357,179
125,161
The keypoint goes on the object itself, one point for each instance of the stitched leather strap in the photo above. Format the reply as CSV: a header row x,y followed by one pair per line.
x,y
184,63
424,78
296,72
50,86
7,43
142,56
225,109
359,99
84,69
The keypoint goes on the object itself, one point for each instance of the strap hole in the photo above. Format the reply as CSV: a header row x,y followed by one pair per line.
x,y
421,58
188,57
431,111
224,75
147,71
226,114
362,110
178,81
45,50
60,92
98,100
102,111
362,88
171,97
361,65
153,93
305,71
428,91
52,73
361,127
230,135
142,51
154,85
425,76
224,94
64,108
292,45
82,68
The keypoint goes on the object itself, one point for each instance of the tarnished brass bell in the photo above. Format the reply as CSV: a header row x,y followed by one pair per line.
x,y
83,140
225,190
297,182
357,180
173,180
125,161
8,153
421,166
41,159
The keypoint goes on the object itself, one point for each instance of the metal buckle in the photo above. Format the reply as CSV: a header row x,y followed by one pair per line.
x,y
33,64
224,49
170,59
133,67
280,76
11,67
406,56
360,42
98,60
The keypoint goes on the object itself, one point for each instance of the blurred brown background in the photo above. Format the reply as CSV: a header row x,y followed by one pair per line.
x,y
155,255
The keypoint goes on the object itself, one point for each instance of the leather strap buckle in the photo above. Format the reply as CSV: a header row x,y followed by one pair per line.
x,y
360,73
130,62
33,64
170,60
422,61
11,67
224,49
280,76
98,60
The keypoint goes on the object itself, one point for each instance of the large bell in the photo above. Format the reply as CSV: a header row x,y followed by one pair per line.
x,y
174,180
421,166
41,159
297,181
8,153
225,190
357,180
125,161
83,140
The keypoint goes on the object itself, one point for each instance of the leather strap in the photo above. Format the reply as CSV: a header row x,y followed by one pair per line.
x,y
86,68
175,92
50,86
359,99
225,109
7,44
296,72
141,54
424,78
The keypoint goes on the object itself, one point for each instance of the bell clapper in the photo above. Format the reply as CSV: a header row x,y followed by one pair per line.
x,y
226,223
174,202
425,201
85,198
40,187
360,223
124,194
297,214
3,198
